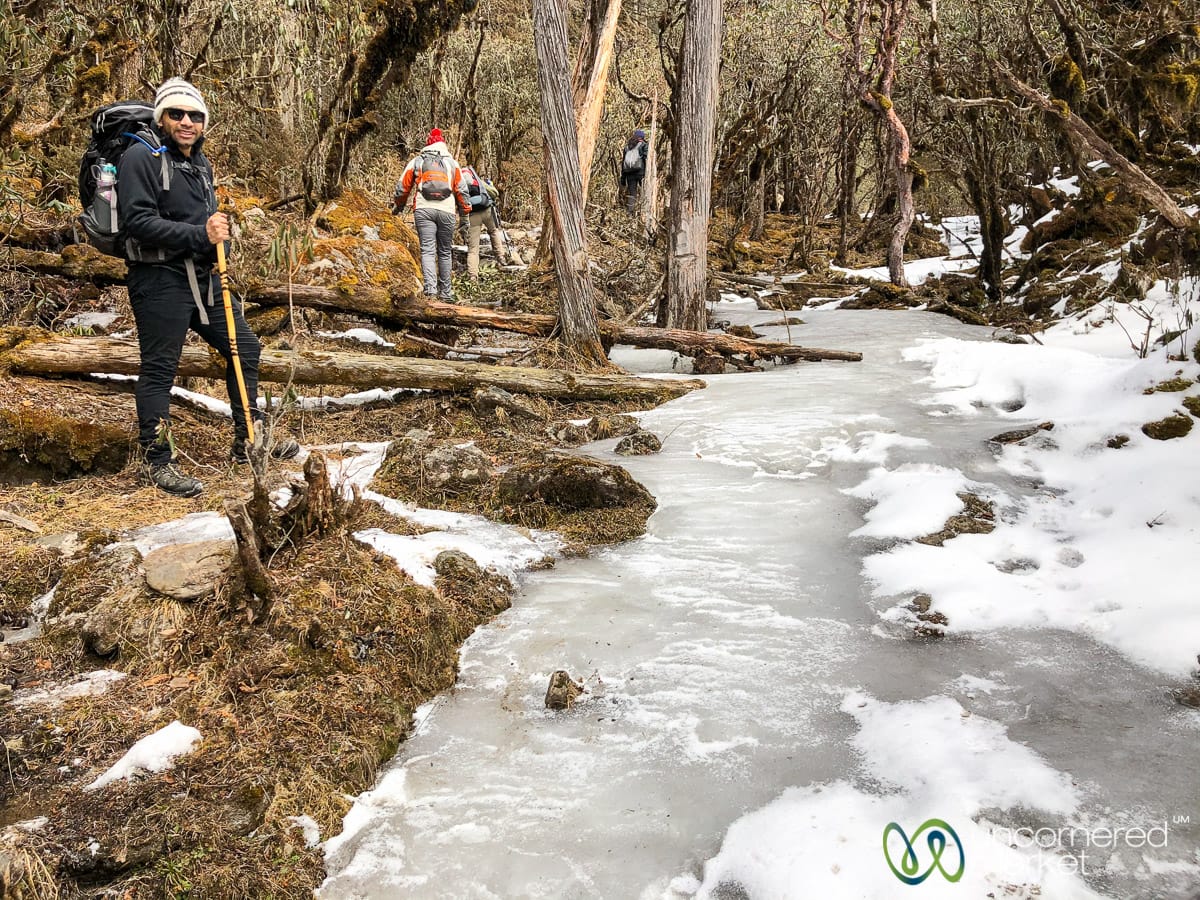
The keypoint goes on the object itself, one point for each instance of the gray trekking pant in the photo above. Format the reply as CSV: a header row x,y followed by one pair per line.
x,y
435,228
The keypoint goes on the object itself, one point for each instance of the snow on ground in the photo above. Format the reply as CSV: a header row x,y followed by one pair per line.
x,y
358,335
933,760
1107,546
154,753
918,271
201,526
89,684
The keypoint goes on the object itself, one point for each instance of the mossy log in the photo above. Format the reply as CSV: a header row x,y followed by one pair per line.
x,y
81,261
57,355
402,311
383,306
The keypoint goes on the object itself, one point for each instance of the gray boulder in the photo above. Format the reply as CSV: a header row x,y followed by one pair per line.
x,y
188,571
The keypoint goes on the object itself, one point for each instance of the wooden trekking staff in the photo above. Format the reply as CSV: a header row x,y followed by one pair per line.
x,y
233,345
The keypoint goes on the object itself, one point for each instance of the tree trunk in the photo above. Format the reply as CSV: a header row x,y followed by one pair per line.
x,y
592,105
692,165
649,208
577,309
758,196
50,355
901,148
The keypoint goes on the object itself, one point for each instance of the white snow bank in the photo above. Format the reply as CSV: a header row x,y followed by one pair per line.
x,y
154,753
492,545
917,272
1108,549
936,761
910,501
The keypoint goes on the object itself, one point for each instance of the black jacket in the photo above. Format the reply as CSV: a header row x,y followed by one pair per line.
x,y
173,220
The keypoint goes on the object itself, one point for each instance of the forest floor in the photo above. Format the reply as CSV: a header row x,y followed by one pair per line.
x,y
297,703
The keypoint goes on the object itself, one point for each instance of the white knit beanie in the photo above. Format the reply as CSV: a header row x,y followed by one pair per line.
x,y
175,93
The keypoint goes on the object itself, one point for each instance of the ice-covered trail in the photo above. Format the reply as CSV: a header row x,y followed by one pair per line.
x,y
718,652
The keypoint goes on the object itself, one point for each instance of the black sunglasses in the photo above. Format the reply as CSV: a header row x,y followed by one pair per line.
x,y
176,115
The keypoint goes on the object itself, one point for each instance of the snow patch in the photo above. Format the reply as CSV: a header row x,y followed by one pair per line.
x,y
154,753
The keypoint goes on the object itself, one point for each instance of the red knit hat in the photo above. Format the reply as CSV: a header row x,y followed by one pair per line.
x,y
434,136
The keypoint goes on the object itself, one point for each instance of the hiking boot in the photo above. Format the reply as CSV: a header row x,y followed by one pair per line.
x,y
285,448
167,477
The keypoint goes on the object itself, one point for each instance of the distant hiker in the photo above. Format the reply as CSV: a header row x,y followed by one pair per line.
x,y
633,169
436,180
171,227
483,196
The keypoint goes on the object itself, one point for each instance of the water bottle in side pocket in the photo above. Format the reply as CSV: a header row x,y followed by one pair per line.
x,y
104,204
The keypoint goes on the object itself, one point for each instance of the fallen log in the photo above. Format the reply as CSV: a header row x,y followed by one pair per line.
x,y
402,312
57,355
398,312
81,261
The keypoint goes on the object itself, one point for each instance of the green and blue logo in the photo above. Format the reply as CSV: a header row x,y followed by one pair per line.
x,y
938,838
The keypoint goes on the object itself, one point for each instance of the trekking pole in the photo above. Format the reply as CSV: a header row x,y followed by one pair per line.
x,y
233,346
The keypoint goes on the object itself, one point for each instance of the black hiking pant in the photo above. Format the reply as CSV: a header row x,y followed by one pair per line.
x,y
164,310
631,184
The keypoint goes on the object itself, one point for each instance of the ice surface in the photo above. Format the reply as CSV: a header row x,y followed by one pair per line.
x,y
720,652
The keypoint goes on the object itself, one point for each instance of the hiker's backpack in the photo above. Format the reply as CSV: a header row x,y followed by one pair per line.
x,y
114,128
476,190
633,159
433,175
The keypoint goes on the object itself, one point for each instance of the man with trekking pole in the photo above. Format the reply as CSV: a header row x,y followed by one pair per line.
x,y
174,236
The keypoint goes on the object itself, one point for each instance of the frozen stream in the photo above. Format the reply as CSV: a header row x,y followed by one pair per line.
x,y
736,651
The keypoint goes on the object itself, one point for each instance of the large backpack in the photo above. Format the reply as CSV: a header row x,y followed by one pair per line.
x,y
114,128
476,190
633,159
433,175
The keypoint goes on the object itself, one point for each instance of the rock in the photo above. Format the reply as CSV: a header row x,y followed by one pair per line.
x,y
451,469
786,320
603,427
496,401
640,443
1116,442
977,517
456,564
1185,696
67,544
562,691
1175,426
1012,437
188,571
1020,564
1007,337
1171,386
931,624
569,434
119,616
708,364
742,331
571,483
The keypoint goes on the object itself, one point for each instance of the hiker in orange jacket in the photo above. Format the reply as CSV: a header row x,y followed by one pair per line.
x,y
436,181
